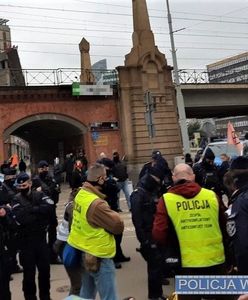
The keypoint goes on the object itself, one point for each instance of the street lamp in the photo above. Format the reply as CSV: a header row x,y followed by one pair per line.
x,y
179,95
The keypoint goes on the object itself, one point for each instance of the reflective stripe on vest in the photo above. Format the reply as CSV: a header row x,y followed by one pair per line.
x,y
83,236
196,222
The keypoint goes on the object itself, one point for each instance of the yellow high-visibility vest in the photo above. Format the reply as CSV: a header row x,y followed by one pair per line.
x,y
196,222
94,240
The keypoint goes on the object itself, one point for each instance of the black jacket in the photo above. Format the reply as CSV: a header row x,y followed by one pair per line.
x,y
77,179
7,226
111,190
237,228
143,205
120,171
207,176
32,213
7,194
49,186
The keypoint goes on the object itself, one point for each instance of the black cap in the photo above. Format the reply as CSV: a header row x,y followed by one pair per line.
x,y
239,163
156,154
42,164
23,177
209,154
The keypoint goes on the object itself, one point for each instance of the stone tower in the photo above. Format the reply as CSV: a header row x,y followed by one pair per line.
x,y
86,76
146,69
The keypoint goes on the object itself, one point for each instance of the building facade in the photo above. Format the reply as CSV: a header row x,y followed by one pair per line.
x,y
231,70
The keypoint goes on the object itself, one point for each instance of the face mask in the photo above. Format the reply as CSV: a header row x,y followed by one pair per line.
x,y
116,159
104,187
24,192
43,174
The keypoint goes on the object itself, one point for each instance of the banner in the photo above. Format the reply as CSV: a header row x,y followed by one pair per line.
x,y
233,139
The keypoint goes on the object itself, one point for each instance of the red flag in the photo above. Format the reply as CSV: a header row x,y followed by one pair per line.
x,y
232,138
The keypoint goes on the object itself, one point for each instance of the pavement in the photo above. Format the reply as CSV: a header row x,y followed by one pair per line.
x,y
131,278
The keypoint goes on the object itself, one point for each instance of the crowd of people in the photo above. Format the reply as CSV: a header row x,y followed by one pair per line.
x,y
181,219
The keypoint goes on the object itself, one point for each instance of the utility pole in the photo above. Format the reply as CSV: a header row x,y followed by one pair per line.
x,y
179,95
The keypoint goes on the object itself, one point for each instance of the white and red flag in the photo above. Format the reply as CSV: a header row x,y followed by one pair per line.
x,y
232,138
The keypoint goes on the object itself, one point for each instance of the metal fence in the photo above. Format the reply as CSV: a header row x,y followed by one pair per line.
x,y
62,76
188,76
65,76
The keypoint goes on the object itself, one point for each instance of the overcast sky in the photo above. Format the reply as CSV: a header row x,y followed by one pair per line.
x,y
48,32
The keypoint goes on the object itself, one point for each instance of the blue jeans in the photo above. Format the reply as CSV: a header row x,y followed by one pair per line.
x,y
103,282
123,185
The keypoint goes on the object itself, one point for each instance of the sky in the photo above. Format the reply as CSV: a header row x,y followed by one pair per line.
x,y
47,32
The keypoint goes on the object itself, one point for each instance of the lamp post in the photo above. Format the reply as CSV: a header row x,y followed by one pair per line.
x,y
179,95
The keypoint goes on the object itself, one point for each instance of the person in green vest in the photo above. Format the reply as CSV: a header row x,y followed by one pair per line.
x,y
92,232
197,216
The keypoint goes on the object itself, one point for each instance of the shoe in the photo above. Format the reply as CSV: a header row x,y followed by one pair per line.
x,y
165,281
118,265
17,269
123,259
159,298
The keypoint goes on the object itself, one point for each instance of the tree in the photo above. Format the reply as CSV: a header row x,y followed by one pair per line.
x,y
193,127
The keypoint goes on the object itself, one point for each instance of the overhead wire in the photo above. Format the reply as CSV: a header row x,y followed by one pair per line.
x,y
117,14
100,55
17,27
122,45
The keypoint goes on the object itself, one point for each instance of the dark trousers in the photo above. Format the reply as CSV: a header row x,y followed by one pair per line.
x,y
4,277
34,253
154,270
119,253
52,234
12,250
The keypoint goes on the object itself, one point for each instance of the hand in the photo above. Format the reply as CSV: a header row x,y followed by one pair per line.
x,y
2,212
243,297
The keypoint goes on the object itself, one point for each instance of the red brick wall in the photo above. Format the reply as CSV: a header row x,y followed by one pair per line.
x,y
17,104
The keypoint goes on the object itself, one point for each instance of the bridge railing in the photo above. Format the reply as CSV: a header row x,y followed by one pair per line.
x,y
61,76
65,76
231,75
193,76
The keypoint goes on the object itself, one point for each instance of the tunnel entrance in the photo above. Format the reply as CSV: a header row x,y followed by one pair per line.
x,y
49,136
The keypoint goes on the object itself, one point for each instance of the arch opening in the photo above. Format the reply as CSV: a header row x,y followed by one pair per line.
x,y
48,136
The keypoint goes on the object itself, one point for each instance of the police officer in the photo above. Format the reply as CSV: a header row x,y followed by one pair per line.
x,y
236,181
143,208
7,194
32,210
206,173
8,190
197,216
51,188
5,269
161,164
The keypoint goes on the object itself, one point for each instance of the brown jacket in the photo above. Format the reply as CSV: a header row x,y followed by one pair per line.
x,y
101,215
